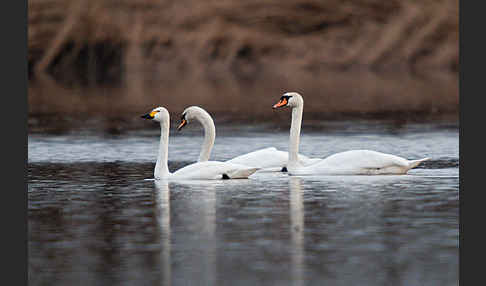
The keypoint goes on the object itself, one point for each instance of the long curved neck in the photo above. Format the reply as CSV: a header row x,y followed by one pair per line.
x,y
161,168
295,136
209,136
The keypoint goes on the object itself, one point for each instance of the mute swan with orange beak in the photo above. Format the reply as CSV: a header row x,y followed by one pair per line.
x,y
268,159
209,170
354,162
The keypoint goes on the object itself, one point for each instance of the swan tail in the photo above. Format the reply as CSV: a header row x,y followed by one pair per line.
x,y
241,173
414,163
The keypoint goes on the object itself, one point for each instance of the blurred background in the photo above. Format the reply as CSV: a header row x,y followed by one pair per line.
x,y
375,74
114,60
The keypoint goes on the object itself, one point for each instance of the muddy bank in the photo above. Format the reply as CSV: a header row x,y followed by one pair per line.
x,y
359,58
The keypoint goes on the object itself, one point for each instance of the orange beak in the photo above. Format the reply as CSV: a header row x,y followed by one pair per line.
x,y
183,123
280,103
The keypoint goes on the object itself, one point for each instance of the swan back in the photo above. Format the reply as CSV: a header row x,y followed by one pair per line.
x,y
359,162
213,170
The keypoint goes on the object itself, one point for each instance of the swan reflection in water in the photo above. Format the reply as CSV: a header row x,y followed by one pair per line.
x,y
297,230
187,219
163,204
192,211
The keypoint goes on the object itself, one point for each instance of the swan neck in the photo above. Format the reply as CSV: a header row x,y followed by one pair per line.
x,y
161,167
295,135
209,136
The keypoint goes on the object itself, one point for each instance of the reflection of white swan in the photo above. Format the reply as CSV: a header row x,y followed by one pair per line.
x,y
297,231
195,231
354,162
199,171
163,202
269,158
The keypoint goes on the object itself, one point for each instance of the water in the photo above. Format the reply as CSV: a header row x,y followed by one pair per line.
x,y
94,219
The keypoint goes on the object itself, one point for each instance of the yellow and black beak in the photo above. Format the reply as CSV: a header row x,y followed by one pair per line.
x,y
150,115
282,102
183,123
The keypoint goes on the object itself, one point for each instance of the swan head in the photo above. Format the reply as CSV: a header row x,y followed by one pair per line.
x,y
158,114
290,99
192,112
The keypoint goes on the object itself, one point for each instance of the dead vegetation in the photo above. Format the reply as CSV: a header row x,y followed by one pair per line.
x,y
365,56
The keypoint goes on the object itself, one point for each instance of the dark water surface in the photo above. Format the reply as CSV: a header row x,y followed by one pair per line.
x,y
93,219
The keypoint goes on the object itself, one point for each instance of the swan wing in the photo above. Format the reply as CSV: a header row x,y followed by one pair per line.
x,y
306,161
365,159
359,162
213,170
263,158
270,159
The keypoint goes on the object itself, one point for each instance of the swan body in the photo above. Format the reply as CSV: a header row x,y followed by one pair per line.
x,y
208,170
213,170
354,162
359,162
270,158
267,159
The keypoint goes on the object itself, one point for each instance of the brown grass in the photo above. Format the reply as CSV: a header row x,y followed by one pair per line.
x,y
368,56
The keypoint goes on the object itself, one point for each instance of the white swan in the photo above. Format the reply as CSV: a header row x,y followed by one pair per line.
x,y
354,162
208,170
268,159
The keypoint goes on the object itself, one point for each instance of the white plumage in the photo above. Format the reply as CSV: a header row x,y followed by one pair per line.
x,y
267,159
209,170
354,162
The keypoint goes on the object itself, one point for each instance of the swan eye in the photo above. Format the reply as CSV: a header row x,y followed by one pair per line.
x,y
152,114
284,100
